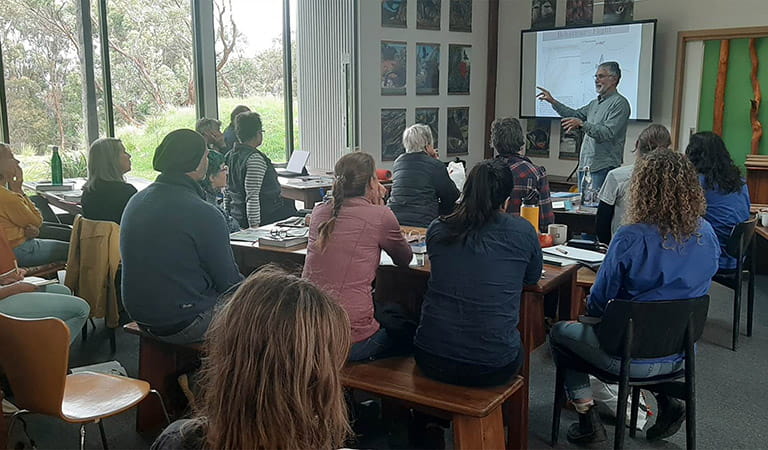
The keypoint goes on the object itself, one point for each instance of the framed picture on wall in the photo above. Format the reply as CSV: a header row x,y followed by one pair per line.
x,y
392,127
460,16
394,13
458,131
427,69
429,116
537,138
570,144
459,67
393,68
428,14
578,12
543,14
618,11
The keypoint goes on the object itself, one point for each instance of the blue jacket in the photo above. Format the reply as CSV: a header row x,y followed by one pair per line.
x,y
725,211
177,260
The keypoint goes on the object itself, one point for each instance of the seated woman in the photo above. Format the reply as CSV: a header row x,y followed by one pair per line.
x,y
27,301
271,375
508,140
664,251
726,192
253,194
614,194
20,220
106,193
481,258
421,187
215,180
346,237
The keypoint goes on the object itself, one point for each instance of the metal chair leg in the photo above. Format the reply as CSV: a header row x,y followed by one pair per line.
x,y
751,294
736,313
112,340
162,405
558,405
635,407
103,435
82,436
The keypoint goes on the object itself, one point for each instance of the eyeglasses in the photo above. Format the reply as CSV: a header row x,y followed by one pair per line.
x,y
283,233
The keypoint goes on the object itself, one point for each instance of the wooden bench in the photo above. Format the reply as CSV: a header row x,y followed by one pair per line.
x,y
478,414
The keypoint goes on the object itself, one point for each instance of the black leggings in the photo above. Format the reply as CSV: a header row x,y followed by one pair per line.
x,y
464,374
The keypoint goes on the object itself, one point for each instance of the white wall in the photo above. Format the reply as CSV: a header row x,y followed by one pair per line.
x,y
673,16
371,33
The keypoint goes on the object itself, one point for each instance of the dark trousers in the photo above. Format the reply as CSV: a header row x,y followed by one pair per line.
x,y
464,374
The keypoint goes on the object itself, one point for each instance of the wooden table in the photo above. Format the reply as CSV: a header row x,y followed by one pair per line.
x,y
406,287
69,201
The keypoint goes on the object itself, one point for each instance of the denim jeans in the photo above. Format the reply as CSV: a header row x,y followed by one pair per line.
x,y
192,333
36,252
580,339
465,374
598,178
372,348
56,301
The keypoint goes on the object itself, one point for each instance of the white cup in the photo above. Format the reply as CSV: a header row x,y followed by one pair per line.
x,y
62,274
558,232
764,218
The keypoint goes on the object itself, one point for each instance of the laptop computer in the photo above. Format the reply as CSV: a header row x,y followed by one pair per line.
x,y
295,167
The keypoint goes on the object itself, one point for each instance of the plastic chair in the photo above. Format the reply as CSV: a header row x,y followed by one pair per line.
x,y
631,330
35,354
740,244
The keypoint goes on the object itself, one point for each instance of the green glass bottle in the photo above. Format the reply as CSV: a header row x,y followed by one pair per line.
x,y
57,178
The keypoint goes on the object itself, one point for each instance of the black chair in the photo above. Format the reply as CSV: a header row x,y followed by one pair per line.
x,y
740,244
631,330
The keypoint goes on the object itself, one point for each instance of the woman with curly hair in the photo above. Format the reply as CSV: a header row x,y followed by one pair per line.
x,y
726,192
664,251
270,378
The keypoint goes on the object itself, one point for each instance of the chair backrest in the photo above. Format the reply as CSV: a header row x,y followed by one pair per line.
x,y
659,327
741,236
34,354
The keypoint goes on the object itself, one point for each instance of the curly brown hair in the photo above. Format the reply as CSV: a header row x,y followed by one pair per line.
x,y
665,192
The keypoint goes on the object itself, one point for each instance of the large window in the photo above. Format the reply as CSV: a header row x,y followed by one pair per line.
x,y
43,83
250,67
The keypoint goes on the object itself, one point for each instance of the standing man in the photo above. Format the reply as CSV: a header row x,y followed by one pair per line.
x,y
210,129
177,261
604,121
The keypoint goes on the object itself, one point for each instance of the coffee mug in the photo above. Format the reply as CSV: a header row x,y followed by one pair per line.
x,y
764,218
558,232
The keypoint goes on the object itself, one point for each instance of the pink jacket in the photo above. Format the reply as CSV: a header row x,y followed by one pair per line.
x,y
347,266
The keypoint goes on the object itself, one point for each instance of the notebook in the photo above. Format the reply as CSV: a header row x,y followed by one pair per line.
x,y
578,254
295,165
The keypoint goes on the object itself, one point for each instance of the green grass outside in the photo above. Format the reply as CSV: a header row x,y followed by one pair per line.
x,y
142,141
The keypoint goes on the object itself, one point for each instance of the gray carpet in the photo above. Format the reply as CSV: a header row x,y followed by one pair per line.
x,y
731,390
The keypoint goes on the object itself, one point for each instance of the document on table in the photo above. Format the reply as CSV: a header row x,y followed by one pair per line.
x,y
578,254
386,260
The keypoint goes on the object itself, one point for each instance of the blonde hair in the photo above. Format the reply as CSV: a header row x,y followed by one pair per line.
x,y
665,191
653,137
270,377
104,161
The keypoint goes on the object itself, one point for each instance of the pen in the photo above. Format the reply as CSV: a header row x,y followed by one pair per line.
x,y
564,252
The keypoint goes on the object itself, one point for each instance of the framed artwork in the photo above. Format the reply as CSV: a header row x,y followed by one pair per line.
x,y
543,14
394,13
428,14
460,16
459,65
537,138
429,116
570,144
578,12
393,68
427,69
392,127
458,131
618,11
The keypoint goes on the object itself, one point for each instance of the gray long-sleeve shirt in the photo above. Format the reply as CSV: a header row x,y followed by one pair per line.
x,y
605,130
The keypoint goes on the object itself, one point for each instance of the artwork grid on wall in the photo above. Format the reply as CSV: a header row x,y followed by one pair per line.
x,y
460,16
537,137
393,68
428,14
394,13
543,14
431,117
392,128
578,12
570,144
459,68
618,11
427,69
457,135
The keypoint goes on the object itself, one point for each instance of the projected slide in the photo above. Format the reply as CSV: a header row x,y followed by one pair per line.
x,y
565,61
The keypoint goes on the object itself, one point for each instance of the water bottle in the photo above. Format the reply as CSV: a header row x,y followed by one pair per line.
x,y
57,178
588,194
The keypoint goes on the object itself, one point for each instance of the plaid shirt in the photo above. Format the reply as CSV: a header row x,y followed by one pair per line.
x,y
529,176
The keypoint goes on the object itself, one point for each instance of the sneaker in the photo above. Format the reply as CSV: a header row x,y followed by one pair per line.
x,y
588,430
670,420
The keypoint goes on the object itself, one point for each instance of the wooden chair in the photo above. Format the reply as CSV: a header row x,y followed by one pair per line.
x,y
35,354
740,244
632,330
